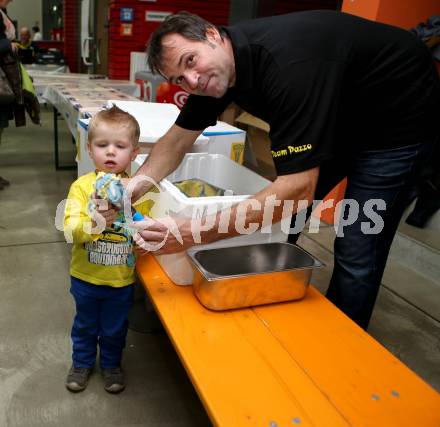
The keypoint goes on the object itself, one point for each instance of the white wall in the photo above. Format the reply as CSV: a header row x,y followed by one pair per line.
x,y
26,12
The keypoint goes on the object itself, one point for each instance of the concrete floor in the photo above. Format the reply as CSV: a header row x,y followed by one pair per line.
x,y
36,312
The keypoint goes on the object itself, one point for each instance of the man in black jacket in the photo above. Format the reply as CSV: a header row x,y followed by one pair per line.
x,y
344,97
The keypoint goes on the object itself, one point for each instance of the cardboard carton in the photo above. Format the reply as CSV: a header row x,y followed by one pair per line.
x,y
258,156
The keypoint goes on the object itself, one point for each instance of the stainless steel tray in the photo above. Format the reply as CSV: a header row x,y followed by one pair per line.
x,y
243,276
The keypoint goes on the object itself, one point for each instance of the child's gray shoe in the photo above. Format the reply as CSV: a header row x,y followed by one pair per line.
x,y
77,378
113,380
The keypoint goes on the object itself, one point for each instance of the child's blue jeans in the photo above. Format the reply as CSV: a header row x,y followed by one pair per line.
x,y
101,319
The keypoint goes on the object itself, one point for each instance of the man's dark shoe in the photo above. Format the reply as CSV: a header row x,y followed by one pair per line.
x,y
77,378
113,380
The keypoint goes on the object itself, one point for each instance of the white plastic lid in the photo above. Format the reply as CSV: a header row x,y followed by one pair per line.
x,y
154,118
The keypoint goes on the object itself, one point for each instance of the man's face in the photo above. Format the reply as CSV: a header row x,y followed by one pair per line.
x,y
204,68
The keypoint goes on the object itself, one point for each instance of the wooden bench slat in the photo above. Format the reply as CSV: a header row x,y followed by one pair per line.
x,y
364,381
276,363
242,375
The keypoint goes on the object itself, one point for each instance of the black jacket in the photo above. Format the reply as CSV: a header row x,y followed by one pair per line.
x,y
6,112
24,101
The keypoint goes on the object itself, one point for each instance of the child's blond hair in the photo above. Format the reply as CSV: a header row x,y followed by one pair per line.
x,y
117,117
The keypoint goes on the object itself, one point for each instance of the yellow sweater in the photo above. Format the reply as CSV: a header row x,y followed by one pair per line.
x,y
102,259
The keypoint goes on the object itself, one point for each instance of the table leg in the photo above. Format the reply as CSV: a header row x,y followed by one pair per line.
x,y
57,155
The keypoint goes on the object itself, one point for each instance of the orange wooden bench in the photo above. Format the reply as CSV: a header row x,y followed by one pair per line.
x,y
298,363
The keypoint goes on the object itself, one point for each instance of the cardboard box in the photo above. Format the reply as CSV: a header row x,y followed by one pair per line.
x,y
231,112
258,146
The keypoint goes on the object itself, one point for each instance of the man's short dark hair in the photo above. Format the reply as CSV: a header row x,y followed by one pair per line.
x,y
35,28
188,25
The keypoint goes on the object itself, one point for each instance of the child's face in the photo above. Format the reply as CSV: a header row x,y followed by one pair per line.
x,y
112,149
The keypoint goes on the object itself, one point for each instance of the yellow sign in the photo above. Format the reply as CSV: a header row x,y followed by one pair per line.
x,y
237,152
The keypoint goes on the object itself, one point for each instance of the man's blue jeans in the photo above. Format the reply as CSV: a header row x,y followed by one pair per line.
x,y
359,257
101,319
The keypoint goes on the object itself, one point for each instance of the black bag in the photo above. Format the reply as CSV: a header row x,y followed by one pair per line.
x,y
7,95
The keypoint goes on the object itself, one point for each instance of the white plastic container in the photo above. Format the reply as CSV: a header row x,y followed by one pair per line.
x,y
227,140
222,172
154,120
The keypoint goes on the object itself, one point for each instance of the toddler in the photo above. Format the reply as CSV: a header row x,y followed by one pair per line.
x,y
102,264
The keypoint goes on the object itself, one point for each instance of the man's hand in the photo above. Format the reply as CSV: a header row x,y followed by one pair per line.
x,y
164,236
170,235
137,186
163,159
14,47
